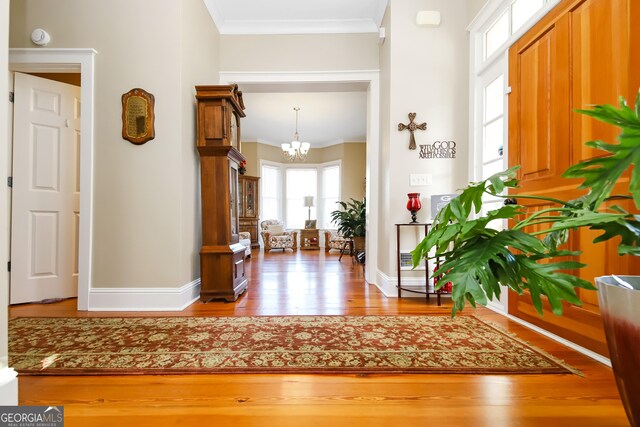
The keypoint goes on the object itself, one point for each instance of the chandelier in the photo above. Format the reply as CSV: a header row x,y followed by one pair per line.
x,y
295,150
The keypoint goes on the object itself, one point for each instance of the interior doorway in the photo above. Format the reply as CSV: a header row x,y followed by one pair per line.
x,y
372,82
45,196
67,61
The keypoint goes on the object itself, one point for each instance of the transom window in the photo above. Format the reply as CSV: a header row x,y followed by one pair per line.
x,y
510,21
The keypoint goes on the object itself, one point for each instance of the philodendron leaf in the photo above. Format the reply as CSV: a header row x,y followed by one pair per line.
x,y
601,174
634,184
547,279
627,230
478,267
628,250
585,218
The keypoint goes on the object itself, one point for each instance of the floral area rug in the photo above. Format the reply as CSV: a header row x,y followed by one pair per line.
x,y
271,344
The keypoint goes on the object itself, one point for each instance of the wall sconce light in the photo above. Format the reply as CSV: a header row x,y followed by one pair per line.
x,y
429,18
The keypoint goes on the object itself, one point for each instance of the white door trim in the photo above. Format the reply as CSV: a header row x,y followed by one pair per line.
x,y
83,61
373,135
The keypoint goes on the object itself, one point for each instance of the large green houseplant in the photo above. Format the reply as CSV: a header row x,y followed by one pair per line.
x,y
478,260
351,221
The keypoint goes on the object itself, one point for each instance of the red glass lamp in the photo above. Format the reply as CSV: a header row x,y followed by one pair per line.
x,y
414,205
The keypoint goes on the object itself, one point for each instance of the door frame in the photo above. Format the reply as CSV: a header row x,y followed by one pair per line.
x,y
69,60
372,189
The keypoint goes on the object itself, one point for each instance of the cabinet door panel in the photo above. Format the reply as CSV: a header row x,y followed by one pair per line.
x,y
538,108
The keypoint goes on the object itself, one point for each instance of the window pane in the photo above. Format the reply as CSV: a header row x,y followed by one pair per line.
x,y
492,168
331,181
300,183
270,208
494,99
493,141
330,205
270,181
522,10
271,185
497,34
330,195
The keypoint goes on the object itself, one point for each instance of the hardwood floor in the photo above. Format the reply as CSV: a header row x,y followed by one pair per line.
x,y
314,283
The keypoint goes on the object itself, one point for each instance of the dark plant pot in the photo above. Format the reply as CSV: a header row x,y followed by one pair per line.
x,y
621,317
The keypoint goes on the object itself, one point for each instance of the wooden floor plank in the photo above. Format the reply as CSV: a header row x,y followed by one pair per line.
x,y
309,283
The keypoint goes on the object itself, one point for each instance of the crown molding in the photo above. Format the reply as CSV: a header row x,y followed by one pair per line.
x,y
274,27
296,26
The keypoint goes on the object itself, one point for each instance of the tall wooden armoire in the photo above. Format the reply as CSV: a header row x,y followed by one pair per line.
x,y
222,268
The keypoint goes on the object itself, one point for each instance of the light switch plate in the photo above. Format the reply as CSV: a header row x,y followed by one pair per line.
x,y
420,179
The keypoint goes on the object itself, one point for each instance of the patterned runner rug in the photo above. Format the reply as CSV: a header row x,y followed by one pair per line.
x,y
271,344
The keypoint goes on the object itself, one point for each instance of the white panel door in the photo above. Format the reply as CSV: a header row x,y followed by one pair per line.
x,y
46,190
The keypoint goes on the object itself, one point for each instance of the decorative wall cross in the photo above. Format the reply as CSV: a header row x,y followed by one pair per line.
x,y
412,127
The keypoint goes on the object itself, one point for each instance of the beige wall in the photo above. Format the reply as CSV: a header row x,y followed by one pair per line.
x,y
311,52
144,196
433,84
4,193
199,62
474,8
353,157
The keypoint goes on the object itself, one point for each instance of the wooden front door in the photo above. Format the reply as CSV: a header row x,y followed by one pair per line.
x,y
584,52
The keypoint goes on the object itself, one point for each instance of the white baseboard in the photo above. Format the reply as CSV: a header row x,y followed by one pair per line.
x,y
8,387
144,299
389,285
572,345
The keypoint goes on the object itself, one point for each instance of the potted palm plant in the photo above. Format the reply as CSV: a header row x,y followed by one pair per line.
x,y
478,260
352,221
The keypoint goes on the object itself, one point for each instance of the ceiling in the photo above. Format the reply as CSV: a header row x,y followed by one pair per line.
x,y
325,118
296,16
330,113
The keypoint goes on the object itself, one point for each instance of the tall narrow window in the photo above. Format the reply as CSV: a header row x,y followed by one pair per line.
x,y
300,183
493,138
330,194
271,192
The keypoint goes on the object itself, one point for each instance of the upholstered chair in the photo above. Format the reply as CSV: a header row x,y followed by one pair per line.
x,y
245,240
275,236
333,240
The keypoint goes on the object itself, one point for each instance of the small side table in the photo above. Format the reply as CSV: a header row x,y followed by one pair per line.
x,y
348,243
426,269
310,239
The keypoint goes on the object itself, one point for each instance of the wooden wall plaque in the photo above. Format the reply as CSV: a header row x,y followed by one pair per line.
x,y
137,116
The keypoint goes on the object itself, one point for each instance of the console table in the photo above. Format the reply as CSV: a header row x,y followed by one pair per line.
x,y
426,269
310,239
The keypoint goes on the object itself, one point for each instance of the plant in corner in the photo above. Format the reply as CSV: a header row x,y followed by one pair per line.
x,y
479,259
352,221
